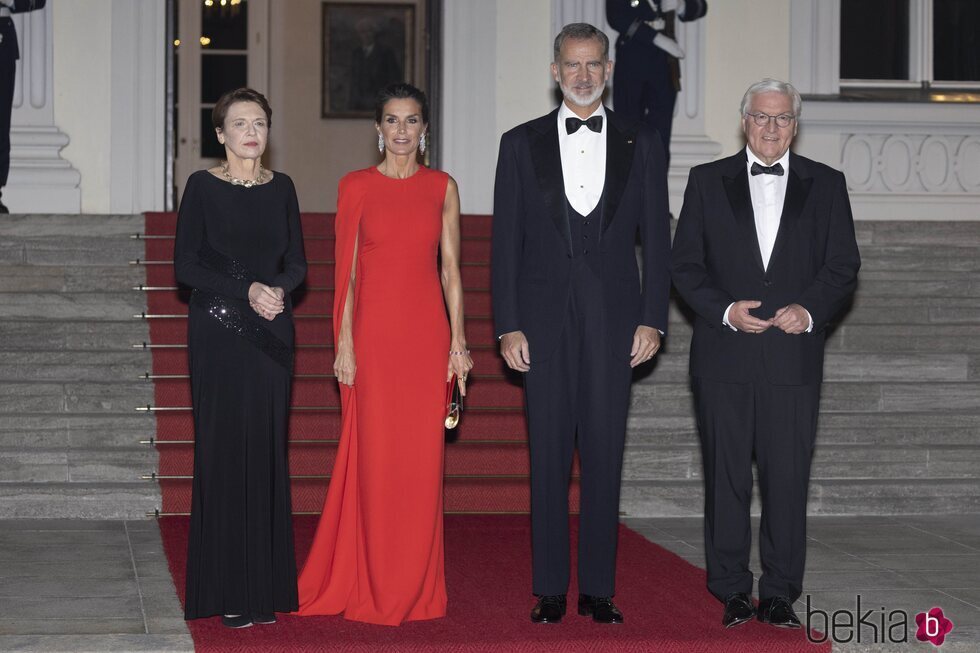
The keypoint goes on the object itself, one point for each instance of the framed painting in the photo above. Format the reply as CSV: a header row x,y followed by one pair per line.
x,y
366,46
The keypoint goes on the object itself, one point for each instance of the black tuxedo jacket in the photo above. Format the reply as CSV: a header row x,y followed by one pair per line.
x,y
532,248
8,36
716,260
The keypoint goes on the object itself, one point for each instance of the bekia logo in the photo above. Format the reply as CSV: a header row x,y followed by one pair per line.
x,y
933,627
874,626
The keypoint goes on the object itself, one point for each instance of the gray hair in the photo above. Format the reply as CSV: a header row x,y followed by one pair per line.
x,y
581,31
769,85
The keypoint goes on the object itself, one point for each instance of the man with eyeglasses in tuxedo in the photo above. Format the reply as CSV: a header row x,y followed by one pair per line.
x,y
765,256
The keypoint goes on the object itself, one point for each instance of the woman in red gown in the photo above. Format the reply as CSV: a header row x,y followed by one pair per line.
x,y
377,555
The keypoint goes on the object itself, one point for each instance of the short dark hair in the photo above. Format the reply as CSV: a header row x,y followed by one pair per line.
x,y
401,91
581,31
220,110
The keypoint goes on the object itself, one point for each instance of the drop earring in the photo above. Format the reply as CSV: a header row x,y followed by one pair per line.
x,y
422,144
381,143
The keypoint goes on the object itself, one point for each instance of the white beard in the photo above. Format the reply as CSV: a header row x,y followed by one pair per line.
x,y
578,100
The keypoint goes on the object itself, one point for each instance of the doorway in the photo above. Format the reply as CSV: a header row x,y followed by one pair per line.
x,y
218,46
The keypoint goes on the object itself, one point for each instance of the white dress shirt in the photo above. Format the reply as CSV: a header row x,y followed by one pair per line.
x,y
768,196
583,160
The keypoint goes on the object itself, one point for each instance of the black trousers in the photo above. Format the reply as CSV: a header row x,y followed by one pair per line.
x,y
8,63
643,90
777,424
583,390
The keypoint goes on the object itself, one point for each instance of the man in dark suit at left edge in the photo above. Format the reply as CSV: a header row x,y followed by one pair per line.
x,y
9,54
573,189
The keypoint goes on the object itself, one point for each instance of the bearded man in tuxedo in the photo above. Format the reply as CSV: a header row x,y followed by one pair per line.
x,y
573,191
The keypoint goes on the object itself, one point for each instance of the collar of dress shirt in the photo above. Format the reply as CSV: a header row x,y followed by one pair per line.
x,y
565,112
752,158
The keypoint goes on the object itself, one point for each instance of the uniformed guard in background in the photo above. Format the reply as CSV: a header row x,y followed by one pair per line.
x,y
647,76
9,54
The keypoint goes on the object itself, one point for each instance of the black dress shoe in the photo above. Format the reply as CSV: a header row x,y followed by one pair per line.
x,y
263,619
778,611
549,610
738,609
3,209
601,608
236,620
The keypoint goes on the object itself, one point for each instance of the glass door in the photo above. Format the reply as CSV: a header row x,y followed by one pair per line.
x,y
219,45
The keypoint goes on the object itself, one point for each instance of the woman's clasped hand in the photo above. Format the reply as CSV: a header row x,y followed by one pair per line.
x,y
268,302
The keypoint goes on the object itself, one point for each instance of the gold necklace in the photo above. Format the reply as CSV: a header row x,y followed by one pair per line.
x,y
235,181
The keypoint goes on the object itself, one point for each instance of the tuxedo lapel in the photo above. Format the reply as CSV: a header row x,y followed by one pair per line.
x,y
737,189
546,159
620,142
797,191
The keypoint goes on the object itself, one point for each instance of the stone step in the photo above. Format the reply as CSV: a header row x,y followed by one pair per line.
x,y
881,259
75,431
68,278
94,306
115,333
861,428
672,367
899,496
830,461
74,397
94,643
935,288
70,240
98,500
66,365
836,397
905,337
918,233
118,464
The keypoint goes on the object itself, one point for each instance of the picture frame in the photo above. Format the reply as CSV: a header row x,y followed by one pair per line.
x,y
366,46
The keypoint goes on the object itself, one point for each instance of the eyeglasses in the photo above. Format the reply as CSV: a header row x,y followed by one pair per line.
x,y
783,120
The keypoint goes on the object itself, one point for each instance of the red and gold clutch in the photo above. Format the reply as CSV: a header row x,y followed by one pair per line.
x,y
454,403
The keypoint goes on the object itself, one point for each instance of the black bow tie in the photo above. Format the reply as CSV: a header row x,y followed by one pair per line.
x,y
757,169
594,123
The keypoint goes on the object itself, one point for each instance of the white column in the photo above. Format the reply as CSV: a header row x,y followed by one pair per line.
x,y
689,145
138,106
469,100
40,180
592,12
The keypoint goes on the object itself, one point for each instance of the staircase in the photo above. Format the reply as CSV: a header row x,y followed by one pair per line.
x,y
899,428
68,372
900,421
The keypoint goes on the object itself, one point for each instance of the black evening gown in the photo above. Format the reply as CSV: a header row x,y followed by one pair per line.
x,y
240,553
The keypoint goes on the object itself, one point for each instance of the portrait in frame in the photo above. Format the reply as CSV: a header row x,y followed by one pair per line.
x,y
366,46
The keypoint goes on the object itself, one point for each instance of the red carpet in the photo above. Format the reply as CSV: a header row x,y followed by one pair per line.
x,y
488,574
486,460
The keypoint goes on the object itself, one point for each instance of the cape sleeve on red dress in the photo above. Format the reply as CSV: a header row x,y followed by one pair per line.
x,y
350,204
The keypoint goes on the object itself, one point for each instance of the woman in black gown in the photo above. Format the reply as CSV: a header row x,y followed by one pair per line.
x,y
239,246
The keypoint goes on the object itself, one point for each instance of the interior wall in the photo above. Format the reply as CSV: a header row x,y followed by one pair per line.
x,y
745,41
314,151
525,89
496,55
83,94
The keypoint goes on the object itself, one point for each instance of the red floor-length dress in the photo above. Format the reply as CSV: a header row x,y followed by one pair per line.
x,y
378,551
